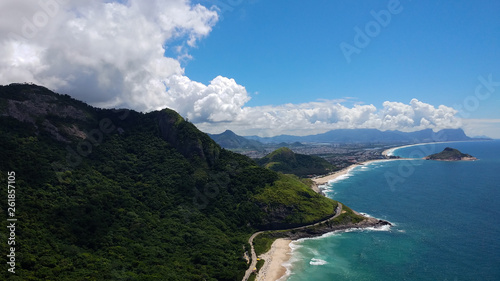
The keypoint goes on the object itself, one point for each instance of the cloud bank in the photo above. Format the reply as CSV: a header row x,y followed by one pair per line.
x,y
112,54
319,117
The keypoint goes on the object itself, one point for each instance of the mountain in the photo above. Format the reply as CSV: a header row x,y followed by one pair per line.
x,y
230,140
102,194
451,154
370,136
284,160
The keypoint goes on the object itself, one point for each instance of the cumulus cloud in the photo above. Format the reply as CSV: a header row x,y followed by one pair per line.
x,y
112,54
318,117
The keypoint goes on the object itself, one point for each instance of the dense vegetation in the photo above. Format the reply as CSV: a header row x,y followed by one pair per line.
x,y
120,195
284,160
230,140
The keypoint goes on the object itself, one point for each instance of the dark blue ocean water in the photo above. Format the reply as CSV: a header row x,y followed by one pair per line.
x,y
446,216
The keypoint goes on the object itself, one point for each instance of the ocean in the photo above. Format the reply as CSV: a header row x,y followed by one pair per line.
x,y
446,218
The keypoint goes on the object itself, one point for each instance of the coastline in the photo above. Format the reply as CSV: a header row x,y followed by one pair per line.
x,y
273,268
388,152
322,180
276,271
280,252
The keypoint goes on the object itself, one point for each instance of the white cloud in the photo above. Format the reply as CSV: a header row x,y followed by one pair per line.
x,y
482,127
318,117
111,54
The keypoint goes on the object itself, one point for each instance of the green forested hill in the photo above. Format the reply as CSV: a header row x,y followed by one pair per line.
x,y
450,154
286,161
120,195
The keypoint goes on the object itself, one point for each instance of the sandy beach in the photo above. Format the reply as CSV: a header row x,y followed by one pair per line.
x,y
389,152
280,251
325,179
273,268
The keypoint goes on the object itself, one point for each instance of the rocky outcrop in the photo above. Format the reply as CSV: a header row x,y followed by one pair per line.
x,y
44,110
451,154
327,227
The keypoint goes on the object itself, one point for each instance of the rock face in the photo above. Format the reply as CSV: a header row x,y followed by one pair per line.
x,y
451,154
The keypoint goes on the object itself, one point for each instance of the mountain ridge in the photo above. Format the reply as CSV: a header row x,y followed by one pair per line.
x,y
228,139
286,161
117,195
370,136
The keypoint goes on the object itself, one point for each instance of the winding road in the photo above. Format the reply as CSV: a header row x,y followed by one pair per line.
x,y
253,264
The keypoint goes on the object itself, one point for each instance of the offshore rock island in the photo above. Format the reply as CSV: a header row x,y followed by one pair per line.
x,y
451,154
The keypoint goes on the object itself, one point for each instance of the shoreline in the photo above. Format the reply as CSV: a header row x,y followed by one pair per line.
x,y
281,252
388,152
273,268
323,180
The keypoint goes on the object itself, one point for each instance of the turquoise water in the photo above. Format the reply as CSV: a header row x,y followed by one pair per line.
x,y
446,216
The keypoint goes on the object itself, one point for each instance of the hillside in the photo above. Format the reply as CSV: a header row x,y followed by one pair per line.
x,y
230,140
284,160
451,154
120,195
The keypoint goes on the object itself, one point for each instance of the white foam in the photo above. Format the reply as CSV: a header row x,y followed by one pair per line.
x,y
339,178
380,228
294,245
314,252
390,152
295,257
315,261
366,215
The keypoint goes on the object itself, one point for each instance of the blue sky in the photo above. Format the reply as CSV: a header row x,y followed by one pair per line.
x,y
267,67
288,52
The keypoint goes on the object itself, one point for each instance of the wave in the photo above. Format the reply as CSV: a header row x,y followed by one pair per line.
x,y
339,178
315,261
295,257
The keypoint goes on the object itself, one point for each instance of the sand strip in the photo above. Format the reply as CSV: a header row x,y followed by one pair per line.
x,y
390,151
273,268
325,179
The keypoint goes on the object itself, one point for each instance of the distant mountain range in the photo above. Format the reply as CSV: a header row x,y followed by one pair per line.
x,y
230,140
370,136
